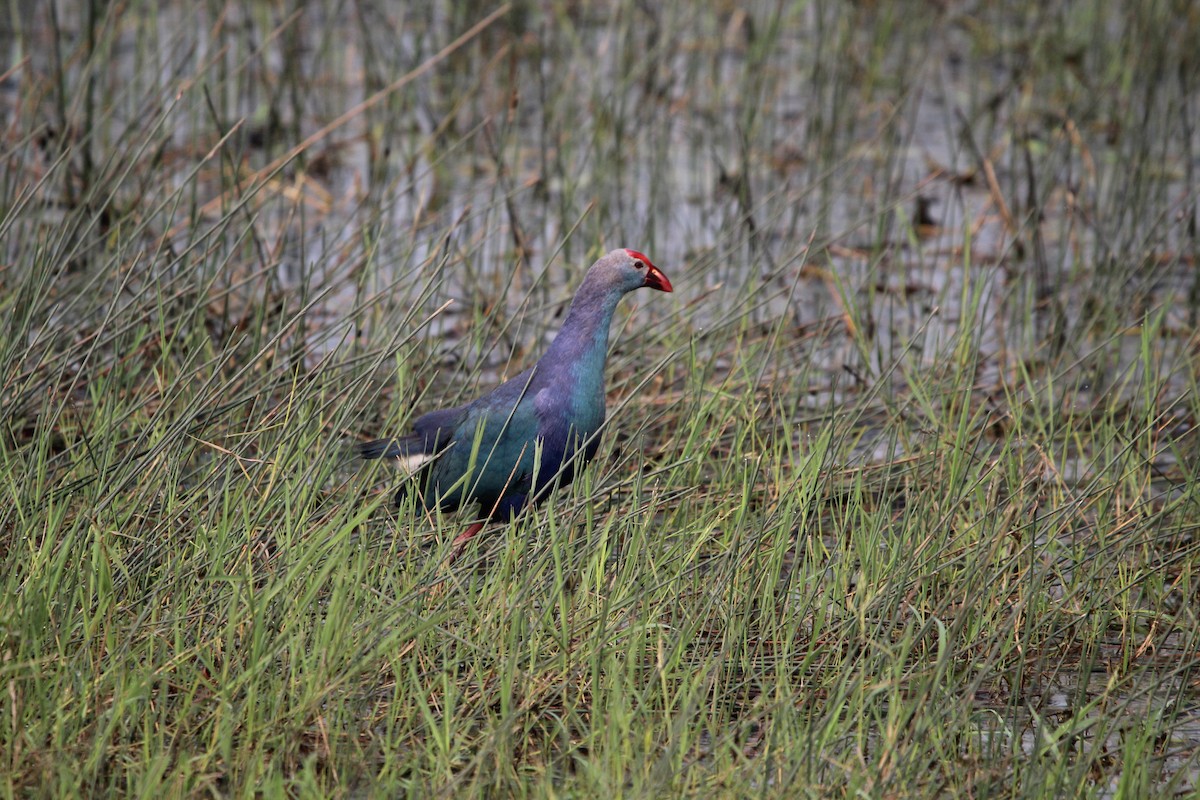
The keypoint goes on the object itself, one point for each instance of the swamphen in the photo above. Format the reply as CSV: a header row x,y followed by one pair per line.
x,y
511,446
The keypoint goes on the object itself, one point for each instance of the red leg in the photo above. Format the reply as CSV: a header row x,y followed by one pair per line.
x,y
460,541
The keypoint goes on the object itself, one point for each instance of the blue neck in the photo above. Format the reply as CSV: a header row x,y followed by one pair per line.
x,y
582,342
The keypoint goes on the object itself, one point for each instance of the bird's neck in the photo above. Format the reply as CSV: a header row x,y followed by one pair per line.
x,y
582,342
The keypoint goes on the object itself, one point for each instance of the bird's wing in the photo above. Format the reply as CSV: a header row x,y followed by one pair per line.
x,y
437,428
491,453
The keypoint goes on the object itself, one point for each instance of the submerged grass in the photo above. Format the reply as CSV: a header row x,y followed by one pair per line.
x,y
894,502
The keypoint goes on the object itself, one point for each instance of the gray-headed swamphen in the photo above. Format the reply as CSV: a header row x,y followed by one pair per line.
x,y
510,447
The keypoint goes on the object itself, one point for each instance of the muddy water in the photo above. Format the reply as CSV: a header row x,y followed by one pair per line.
x,y
815,156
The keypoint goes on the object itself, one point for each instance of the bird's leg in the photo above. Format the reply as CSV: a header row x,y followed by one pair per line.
x,y
469,533
460,541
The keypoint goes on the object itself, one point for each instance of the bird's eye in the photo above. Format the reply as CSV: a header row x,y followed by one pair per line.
x,y
637,264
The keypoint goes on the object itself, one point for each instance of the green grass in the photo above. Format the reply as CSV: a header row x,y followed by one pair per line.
x,y
885,509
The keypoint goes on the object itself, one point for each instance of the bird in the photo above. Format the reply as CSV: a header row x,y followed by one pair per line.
x,y
509,448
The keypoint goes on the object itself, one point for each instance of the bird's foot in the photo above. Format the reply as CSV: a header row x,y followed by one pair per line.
x,y
460,541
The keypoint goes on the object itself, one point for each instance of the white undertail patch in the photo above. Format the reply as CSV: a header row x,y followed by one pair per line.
x,y
414,462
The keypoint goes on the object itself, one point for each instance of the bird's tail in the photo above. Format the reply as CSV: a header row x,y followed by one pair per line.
x,y
409,452
380,448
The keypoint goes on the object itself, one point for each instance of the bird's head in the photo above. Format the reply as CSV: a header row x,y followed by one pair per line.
x,y
627,270
650,275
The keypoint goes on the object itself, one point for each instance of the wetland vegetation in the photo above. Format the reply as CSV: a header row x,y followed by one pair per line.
x,y
898,496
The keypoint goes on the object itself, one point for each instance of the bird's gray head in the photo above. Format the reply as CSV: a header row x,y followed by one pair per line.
x,y
628,270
